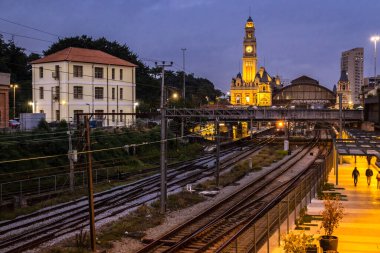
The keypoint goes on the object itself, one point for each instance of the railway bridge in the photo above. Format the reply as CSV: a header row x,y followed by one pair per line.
x,y
265,114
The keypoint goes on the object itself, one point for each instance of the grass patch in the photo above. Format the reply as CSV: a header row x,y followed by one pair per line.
x,y
180,200
263,158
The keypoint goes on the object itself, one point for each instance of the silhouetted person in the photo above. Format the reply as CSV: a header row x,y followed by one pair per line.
x,y
355,175
369,174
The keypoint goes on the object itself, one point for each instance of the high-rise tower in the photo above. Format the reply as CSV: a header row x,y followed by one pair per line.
x,y
352,64
249,52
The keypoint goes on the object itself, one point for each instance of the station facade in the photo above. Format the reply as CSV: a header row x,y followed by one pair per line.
x,y
256,87
252,87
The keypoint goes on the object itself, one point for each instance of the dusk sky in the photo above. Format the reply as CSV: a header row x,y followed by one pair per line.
x,y
294,37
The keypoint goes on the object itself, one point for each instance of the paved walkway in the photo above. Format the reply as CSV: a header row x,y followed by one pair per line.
x,y
359,231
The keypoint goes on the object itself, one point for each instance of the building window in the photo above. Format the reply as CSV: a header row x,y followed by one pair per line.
x,y
78,92
41,92
42,111
41,72
121,74
98,92
98,72
99,116
76,112
113,116
121,116
56,72
78,71
237,99
121,93
113,73
57,115
57,93
113,93
247,99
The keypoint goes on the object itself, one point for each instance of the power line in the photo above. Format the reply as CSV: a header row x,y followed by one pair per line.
x,y
92,151
28,37
29,27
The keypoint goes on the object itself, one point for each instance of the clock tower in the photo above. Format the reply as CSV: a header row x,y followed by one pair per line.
x,y
249,52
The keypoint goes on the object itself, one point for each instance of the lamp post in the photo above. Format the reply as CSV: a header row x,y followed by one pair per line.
x,y
14,86
89,107
375,39
31,104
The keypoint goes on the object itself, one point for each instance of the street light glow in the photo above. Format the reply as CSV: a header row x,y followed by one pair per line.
x,y
175,95
375,38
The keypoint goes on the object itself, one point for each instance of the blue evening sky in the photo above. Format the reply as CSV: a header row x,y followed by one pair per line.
x,y
294,37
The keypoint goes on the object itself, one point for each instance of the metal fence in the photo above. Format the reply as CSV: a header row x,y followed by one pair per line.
x,y
277,217
50,185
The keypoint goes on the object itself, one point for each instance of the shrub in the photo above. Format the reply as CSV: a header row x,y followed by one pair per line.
x,y
296,243
332,214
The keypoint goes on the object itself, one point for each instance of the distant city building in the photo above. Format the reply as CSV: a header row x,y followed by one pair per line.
x,y
344,88
352,64
77,80
371,84
4,99
304,92
252,87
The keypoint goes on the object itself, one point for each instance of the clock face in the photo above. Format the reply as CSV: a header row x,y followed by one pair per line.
x,y
249,49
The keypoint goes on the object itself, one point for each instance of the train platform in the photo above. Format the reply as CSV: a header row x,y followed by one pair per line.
x,y
359,231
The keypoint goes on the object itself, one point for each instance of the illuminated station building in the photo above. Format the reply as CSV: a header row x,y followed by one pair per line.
x,y
252,87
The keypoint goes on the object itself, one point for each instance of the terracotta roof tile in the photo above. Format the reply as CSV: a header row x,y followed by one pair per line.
x,y
75,54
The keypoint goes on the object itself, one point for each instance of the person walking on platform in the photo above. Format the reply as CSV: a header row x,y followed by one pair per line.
x,y
355,175
378,179
369,174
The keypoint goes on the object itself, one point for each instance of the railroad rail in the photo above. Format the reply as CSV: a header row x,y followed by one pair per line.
x,y
208,230
31,230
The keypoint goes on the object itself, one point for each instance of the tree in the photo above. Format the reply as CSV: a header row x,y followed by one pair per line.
x,y
147,87
14,60
148,79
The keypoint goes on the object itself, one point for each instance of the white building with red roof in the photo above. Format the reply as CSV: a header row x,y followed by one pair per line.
x,y
78,80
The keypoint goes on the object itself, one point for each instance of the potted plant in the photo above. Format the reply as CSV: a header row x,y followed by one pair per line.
x,y
331,216
296,242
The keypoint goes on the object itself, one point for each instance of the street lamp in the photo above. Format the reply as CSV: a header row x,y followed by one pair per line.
x,y
14,86
89,107
375,39
175,95
30,103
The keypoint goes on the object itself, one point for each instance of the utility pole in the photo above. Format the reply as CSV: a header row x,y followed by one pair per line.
x,y
217,158
71,159
183,91
163,155
89,184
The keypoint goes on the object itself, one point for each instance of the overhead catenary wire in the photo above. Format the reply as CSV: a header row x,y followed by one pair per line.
x,y
92,151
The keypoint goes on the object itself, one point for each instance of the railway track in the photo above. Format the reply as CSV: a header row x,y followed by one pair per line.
x,y
211,228
31,230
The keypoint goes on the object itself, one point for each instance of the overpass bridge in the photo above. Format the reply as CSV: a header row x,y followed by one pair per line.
x,y
266,114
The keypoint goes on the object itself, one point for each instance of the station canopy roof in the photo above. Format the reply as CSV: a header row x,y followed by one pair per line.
x,y
360,143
